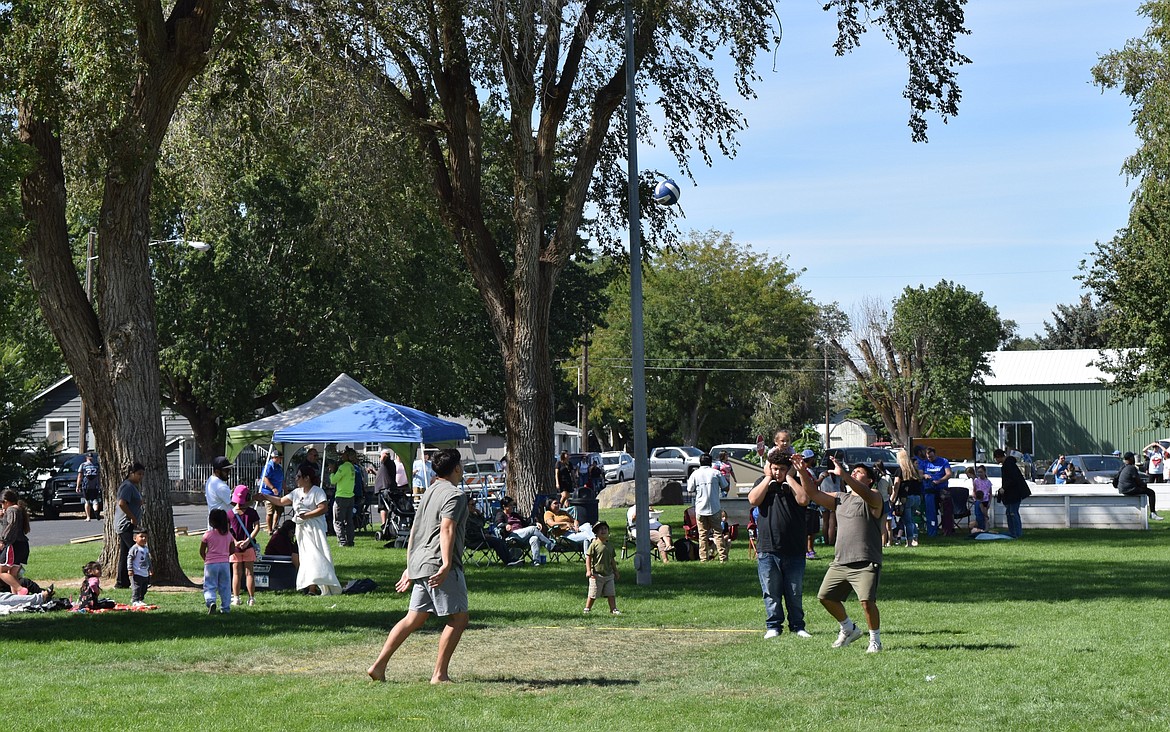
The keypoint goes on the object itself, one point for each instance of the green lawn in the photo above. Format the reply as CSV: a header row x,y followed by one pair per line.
x,y
1063,630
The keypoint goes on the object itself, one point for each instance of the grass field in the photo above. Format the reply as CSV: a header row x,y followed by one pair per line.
x,y
1062,630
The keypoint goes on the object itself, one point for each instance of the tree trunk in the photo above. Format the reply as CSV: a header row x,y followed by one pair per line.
x,y
203,419
690,431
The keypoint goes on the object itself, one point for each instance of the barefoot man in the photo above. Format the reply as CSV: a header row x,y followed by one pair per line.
x,y
435,567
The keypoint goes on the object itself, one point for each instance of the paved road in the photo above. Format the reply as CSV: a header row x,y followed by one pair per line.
x,y
48,532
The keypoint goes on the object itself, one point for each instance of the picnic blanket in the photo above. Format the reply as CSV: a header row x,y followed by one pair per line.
x,y
120,607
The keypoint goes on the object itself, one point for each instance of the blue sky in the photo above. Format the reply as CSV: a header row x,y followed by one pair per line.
x,y
1007,198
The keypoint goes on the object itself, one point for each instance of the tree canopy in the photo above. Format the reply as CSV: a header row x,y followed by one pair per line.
x,y
917,365
1124,272
723,325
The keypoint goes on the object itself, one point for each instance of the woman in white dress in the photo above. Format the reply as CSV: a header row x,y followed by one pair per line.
x,y
309,505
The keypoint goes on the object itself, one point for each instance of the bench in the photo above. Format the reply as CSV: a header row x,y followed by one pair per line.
x,y
1079,509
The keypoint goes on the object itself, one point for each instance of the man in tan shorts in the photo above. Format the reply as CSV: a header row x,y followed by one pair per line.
x,y
857,559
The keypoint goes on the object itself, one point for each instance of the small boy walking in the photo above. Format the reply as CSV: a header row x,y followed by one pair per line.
x,y
601,569
140,569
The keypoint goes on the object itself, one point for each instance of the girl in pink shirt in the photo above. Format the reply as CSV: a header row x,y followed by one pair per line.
x,y
982,487
216,551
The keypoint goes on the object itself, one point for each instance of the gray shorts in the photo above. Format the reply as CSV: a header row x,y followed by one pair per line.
x,y
448,598
860,577
601,586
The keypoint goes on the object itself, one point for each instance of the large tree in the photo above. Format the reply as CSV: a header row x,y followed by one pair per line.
x,y
328,256
917,364
723,324
1082,324
97,83
1125,272
556,72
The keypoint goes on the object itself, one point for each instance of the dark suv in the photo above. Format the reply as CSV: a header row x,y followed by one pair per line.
x,y
851,456
60,491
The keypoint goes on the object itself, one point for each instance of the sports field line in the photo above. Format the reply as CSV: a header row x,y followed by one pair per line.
x,y
644,630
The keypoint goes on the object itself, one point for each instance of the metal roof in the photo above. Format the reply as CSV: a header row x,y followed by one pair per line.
x,y
1037,368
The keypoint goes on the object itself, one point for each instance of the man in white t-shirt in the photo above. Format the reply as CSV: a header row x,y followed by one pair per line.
x,y
219,494
707,484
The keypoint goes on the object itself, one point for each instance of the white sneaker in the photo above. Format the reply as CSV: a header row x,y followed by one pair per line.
x,y
771,633
251,601
845,637
1155,517
138,603
235,599
586,611
615,612
802,633
875,646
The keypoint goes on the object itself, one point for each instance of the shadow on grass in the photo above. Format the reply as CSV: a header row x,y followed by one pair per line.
x,y
556,683
962,646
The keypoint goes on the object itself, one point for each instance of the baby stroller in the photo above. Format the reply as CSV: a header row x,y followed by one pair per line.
x,y
399,508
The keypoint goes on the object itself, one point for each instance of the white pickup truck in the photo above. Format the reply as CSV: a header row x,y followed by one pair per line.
x,y
674,462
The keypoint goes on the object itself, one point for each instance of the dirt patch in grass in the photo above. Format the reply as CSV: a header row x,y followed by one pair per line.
x,y
74,584
534,659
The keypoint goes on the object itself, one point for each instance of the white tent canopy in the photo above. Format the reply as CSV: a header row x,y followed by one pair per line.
x,y
343,392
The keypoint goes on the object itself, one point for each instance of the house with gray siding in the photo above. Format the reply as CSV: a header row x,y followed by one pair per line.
x,y
58,420
1046,403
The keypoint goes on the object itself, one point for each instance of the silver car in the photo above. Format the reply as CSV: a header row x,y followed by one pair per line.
x,y
1096,469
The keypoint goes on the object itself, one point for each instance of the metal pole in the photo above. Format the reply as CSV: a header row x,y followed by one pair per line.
x,y
83,419
827,443
641,453
584,396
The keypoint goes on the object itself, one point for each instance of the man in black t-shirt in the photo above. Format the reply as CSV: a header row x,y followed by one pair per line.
x,y
782,501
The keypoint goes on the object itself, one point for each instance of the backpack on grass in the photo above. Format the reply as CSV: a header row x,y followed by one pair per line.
x,y
686,550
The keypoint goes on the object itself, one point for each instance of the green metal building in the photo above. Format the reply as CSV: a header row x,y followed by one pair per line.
x,y
1046,403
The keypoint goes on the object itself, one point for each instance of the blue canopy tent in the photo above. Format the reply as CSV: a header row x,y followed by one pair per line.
x,y
373,420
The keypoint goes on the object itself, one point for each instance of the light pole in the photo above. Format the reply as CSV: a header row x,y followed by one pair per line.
x,y
194,244
641,453
90,258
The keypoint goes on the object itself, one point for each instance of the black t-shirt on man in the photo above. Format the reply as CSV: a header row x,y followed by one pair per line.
x,y
781,526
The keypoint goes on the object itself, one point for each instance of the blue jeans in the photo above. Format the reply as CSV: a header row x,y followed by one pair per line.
x,y
909,528
980,518
782,577
931,500
218,576
1015,527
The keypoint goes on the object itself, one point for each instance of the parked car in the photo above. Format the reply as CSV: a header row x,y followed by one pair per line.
x,y
1097,469
583,463
674,462
618,466
734,449
59,492
476,472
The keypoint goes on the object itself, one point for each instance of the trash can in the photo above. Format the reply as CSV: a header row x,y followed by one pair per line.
x,y
585,508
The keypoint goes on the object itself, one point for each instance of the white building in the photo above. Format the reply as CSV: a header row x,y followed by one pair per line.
x,y
848,433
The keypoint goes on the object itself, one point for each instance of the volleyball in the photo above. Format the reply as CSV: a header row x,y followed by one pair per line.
x,y
666,192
